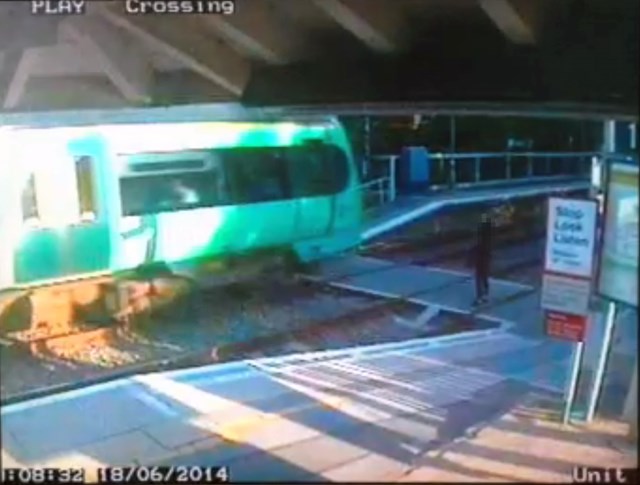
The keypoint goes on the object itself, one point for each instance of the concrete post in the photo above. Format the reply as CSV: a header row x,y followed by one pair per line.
x,y
609,136
631,405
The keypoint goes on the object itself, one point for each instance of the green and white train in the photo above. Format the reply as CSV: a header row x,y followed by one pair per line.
x,y
84,201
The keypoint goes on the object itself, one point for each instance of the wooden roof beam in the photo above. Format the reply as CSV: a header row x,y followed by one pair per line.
x,y
62,60
182,41
19,78
256,30
126,66
514,19
376,23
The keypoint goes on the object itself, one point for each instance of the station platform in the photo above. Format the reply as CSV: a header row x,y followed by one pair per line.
x,y
408,208
442,408
384,413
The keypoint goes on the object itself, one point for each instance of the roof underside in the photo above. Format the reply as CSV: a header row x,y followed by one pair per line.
x,y
553,56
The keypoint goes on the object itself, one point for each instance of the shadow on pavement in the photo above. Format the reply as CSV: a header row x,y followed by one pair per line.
x,y
334,420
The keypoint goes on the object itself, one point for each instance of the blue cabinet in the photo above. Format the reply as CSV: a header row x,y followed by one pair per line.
x,y
414,169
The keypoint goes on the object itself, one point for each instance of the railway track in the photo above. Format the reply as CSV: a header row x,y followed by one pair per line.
x,y
304,336
63,336
366,321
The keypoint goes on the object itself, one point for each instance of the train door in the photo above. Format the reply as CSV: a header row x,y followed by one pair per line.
x,y
310,178
60,231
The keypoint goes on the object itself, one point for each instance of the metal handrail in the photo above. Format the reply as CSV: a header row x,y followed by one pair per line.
x,y
451,181
381,190
462,156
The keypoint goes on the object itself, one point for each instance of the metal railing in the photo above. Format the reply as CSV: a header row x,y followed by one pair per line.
x,y
378,192
463,170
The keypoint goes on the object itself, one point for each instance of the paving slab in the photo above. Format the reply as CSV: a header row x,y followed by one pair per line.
x,y
399,281
524,313
461,294
176,433
320,453
370,468
82,421
428,286
127,449
269,467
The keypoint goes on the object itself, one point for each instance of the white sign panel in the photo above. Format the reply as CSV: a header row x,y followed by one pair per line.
x,y
571,233
619,259
565,294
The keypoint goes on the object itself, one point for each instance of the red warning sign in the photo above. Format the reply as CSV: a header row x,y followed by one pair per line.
x,y
566,326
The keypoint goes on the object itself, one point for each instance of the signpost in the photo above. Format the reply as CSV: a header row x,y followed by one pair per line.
x,y
571,227
565,326
565,294
566,282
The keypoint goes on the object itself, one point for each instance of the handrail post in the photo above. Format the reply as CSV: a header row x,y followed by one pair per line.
x,y
508,166
477,169
529,165
452,173
392,178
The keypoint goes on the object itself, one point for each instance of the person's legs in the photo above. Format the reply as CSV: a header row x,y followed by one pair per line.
x,y
485,285
479,284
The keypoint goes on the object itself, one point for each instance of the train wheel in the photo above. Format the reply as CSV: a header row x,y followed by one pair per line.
x,y
15,312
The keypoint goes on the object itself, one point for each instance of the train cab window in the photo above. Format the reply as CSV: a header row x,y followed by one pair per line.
x,y
257,174
30,210
318,170
169,186
85,166
339,167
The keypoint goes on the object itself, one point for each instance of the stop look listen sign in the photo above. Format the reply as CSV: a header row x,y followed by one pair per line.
x,y
569,255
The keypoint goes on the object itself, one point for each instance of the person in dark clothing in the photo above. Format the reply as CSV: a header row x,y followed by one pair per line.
x,y
482,259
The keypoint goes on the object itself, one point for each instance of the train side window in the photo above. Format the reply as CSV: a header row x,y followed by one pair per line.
x,y
171,182
86,187
152,194
29,201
